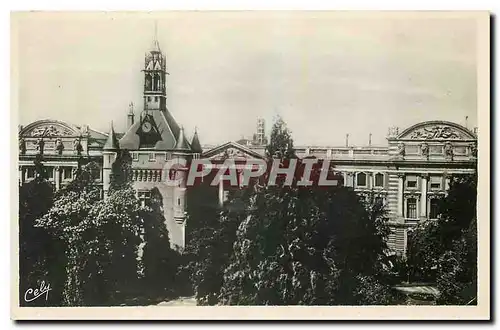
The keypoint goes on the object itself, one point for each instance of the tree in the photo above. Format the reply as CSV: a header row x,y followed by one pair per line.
x,y
209,242
445,250
101,239
38,251
303,245
159,260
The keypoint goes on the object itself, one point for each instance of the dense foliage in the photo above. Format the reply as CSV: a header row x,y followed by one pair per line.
x,y
94,251
284,245
37,249
445,251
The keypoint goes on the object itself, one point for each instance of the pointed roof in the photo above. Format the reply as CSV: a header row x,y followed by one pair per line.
x,y
168,129
156,45
112,141
195,143
182,143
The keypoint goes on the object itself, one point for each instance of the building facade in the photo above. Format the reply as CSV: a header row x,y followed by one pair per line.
x,y
408,175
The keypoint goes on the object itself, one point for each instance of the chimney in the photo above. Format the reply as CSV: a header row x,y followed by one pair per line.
x,y
370,139
347,140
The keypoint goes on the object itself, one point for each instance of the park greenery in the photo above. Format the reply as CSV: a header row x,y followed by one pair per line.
x,y
267,245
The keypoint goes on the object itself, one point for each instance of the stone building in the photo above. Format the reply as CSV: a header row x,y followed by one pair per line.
x,y
408,175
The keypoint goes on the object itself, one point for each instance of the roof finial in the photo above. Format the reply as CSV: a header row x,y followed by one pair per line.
x,y
156,30
156,44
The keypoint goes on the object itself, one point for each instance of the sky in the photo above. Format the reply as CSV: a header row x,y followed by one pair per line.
x,y
326,74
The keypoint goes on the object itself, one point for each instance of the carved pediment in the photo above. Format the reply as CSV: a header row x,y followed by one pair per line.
x,y
49,129
231,150
437,131
230,153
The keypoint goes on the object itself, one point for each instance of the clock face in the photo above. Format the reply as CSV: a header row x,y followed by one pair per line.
x,y
146,127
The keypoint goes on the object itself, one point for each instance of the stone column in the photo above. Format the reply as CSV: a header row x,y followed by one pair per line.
x,y
221,192
446,182
400,195
57,177
423,197
21,175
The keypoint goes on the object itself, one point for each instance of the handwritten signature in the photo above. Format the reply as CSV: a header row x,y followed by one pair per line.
x,y
31,294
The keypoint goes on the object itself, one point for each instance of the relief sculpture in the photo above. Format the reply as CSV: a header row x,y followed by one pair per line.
x,y
436,132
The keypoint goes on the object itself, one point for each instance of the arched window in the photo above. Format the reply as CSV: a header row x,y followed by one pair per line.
x,y
149,82
156,82
361,180
379,180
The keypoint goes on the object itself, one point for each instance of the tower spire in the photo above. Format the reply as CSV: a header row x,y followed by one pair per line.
x,y
112,141
156,44
195,142
182,144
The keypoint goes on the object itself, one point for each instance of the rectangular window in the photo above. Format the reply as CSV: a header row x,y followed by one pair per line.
x,y
50,172
135,156
436,182
30,173
152,157
411,181
144,196
68,175
156,98
411,208
149,98
434,208
379,180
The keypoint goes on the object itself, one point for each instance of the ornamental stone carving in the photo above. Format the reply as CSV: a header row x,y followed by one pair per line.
x,y
473,150
448,151
49,131
401,149
77,147
22,146
436,132
39,146
393,131
424,148
59,146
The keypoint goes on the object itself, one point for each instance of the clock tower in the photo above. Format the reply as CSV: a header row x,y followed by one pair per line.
x,y
155,73
154,139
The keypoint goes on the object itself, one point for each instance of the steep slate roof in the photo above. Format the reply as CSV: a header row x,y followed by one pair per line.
x,y
195,143
167,126
112,141
182,143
